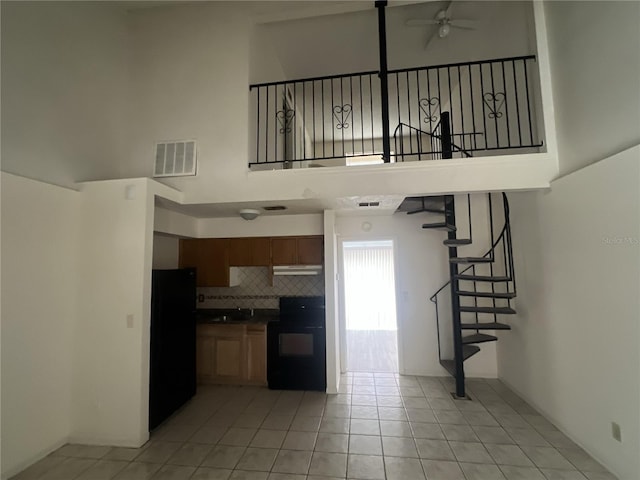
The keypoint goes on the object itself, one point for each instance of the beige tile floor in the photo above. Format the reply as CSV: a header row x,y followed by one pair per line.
x,y
380,426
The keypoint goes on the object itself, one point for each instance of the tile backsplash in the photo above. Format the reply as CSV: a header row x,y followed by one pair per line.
x,y
255,291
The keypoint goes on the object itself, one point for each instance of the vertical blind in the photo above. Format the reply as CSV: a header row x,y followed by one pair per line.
x,y
369,282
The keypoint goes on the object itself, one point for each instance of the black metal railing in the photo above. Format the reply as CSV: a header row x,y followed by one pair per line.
x,y
337,119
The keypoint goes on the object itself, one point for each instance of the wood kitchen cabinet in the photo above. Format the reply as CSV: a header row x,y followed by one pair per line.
x,y
310,250
210,257
297,250
256,354
250,252
231,354
284,251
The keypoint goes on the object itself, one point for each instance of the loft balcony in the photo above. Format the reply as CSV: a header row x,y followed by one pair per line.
x,y
491,108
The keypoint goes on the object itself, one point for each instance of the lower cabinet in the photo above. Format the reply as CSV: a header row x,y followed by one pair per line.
x,y
231,354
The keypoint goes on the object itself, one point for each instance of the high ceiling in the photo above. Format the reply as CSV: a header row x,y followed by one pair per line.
x,y
348,42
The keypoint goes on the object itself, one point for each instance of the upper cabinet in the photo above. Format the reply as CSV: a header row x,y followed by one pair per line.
x,y
297,250
284,251
250,252
310,250
212,257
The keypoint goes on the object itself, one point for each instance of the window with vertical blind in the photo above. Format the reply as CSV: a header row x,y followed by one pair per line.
x,y
369,282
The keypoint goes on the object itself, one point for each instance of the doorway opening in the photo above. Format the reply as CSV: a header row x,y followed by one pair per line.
x,y
370,306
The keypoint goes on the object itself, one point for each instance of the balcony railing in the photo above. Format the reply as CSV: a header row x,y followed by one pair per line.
x,y
493,108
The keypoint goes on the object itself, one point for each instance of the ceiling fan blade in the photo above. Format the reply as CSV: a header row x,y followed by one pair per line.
x,y
464,24
434,35
449,10
419,22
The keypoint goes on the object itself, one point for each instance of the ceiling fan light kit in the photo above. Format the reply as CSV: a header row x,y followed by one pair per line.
x,y
444,22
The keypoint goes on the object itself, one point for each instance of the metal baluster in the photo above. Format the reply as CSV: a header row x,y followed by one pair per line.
x,y
409,111
484,113
398,101
353,115
461,108
304,119
495,113
313,113
324,154
506,105
373,146
258,130
361,116
474,142
333,124
526,80
450,103
515,88
419,133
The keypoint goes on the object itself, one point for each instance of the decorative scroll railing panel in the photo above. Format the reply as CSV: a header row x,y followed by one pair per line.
x,y
330,121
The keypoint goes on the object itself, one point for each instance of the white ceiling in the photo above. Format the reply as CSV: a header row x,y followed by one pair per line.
x,y
344,206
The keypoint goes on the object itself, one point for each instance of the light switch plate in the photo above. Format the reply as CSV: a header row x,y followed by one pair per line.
x,y
130,320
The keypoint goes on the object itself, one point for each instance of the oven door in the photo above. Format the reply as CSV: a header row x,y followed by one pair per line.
x,y
296,357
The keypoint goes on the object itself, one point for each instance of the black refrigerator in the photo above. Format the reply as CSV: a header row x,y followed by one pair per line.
x,y
172,375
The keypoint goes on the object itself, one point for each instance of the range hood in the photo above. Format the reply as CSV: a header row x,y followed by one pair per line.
x,y
279,270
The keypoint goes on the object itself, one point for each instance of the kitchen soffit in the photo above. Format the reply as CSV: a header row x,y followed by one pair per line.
x,y
344,206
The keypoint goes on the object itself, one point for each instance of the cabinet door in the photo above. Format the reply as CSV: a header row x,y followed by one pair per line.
x,y
261,251
209,256
256,356
310,250
228,361
188,253
250,252
205,348
214,261
240,252
284,251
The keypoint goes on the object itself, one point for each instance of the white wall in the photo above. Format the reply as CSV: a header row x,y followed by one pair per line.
x,y
165,251
39,293
421,268
595,60
110,392
190,73
573,352
64,90
109,384
332,302
174,223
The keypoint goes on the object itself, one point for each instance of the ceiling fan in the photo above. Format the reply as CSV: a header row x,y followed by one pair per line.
x,y
444,21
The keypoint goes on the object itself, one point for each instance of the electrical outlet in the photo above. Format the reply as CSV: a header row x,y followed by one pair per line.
x,y
616,432
130,320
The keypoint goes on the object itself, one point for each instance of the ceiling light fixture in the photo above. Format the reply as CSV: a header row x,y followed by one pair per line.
x,y
249,213
444,30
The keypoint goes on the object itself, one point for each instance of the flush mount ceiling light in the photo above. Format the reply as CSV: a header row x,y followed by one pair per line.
x,y
249,213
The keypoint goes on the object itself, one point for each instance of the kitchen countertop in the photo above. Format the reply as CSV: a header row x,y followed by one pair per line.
x,y
234,316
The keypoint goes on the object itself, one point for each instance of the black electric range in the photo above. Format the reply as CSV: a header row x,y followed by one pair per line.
x,y
296,345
